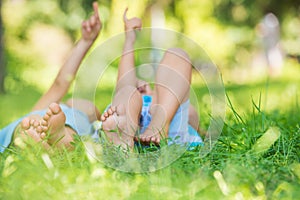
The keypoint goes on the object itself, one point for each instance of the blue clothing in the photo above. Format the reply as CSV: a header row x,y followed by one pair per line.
x,y
180,132
76,119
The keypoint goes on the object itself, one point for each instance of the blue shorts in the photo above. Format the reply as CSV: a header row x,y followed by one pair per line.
x,y
180,132
76,119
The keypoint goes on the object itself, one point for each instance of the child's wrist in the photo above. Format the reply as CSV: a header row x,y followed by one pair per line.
x,y
86,43
129,39
129,44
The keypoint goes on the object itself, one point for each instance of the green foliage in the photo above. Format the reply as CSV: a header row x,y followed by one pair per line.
x,y
230,24
231,169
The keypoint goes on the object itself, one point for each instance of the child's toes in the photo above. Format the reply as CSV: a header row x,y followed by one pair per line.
x,y
110,111
25,124
43,135
105,114
45,128
32,122
35,124
55,108
153,139
39,129
44,123
102,118
46,117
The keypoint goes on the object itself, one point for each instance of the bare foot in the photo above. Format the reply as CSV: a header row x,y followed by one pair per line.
x,y
150,136
54,123
30,129
48,130
114,125
157,129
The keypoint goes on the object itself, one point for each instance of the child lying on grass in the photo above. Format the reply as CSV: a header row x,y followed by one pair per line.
x,y
52,123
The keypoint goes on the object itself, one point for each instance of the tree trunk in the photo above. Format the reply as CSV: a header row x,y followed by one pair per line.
x,y
2,60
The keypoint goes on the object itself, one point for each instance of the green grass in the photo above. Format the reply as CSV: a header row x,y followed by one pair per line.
x,y
256,157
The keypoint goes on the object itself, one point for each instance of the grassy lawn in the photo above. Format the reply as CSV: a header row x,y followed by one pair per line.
x,y
256,157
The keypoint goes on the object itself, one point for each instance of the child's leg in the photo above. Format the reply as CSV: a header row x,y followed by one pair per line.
x,y
127,95
172,88
123,116
129,99
86,107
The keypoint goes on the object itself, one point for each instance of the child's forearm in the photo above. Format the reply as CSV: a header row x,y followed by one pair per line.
x,y
71,66
126,70
127,65
65,76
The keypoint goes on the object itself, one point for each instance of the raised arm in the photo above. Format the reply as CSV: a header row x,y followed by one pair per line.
x,y
89,30
127,60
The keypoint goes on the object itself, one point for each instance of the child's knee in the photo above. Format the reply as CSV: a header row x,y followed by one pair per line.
x,y
174,51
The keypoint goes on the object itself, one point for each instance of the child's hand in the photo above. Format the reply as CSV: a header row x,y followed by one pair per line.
x,y
91,27
130,25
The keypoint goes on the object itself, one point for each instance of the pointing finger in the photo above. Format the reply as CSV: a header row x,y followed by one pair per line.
x,y
93,20
95,7
124,15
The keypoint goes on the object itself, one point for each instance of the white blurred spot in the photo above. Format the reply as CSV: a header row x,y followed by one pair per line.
x,y
47,161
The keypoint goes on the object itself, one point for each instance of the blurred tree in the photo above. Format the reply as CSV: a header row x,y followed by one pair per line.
x,y
24,22
2,59
73,9
249,12
225,28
